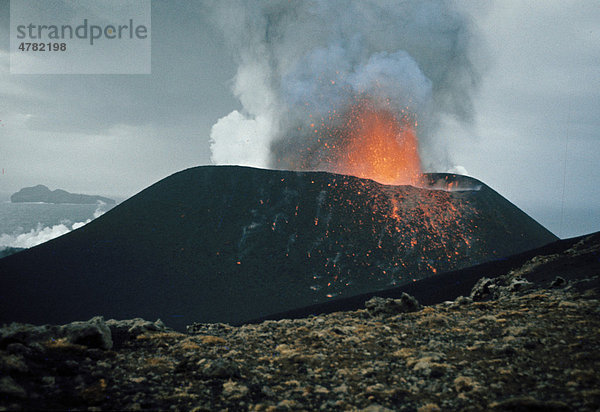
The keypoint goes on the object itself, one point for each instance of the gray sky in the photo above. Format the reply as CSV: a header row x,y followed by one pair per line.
x,y
536,134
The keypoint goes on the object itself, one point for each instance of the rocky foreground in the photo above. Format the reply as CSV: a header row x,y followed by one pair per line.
x,y
514,344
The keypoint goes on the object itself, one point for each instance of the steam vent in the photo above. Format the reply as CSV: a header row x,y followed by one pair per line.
x,y
232,244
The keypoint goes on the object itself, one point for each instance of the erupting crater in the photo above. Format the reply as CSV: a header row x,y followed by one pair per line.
x,y
373,143
367,138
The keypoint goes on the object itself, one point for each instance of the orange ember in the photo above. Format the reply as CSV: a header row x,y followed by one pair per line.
x,y
371,142
380,147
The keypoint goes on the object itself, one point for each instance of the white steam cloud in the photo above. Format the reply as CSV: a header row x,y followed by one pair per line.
x,y
299,62
459,170
43,234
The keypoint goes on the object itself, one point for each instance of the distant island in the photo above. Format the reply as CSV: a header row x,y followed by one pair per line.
x,y
41,193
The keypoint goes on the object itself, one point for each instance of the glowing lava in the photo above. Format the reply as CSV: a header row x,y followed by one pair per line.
x,y
381,147
373,143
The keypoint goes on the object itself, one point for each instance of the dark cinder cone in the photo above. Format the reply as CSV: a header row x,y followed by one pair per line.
x,y
230,244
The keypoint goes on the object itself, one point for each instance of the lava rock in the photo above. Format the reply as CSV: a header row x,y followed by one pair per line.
x,y
558,282
218,368
529,404
482,289
381,306
9,387
93,333
123,330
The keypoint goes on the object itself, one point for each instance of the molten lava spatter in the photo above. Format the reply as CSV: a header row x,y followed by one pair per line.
x,y
380,147
368,140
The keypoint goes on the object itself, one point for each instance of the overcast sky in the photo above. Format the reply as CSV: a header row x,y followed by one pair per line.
x,y
535,138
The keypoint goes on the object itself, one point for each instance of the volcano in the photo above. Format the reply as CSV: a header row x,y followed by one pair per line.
x,y
231,244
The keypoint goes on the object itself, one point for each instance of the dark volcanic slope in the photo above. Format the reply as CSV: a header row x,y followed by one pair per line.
x,y
230,244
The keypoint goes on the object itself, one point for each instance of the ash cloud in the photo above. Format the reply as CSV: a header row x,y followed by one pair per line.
x,y
303,63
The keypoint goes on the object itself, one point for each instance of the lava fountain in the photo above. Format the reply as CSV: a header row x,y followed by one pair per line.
x,y
370,141
380,147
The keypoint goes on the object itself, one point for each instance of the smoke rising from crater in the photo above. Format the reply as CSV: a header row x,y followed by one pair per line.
x,y
302,65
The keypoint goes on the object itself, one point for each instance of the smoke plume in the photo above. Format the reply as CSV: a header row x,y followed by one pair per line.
x,y
303,65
